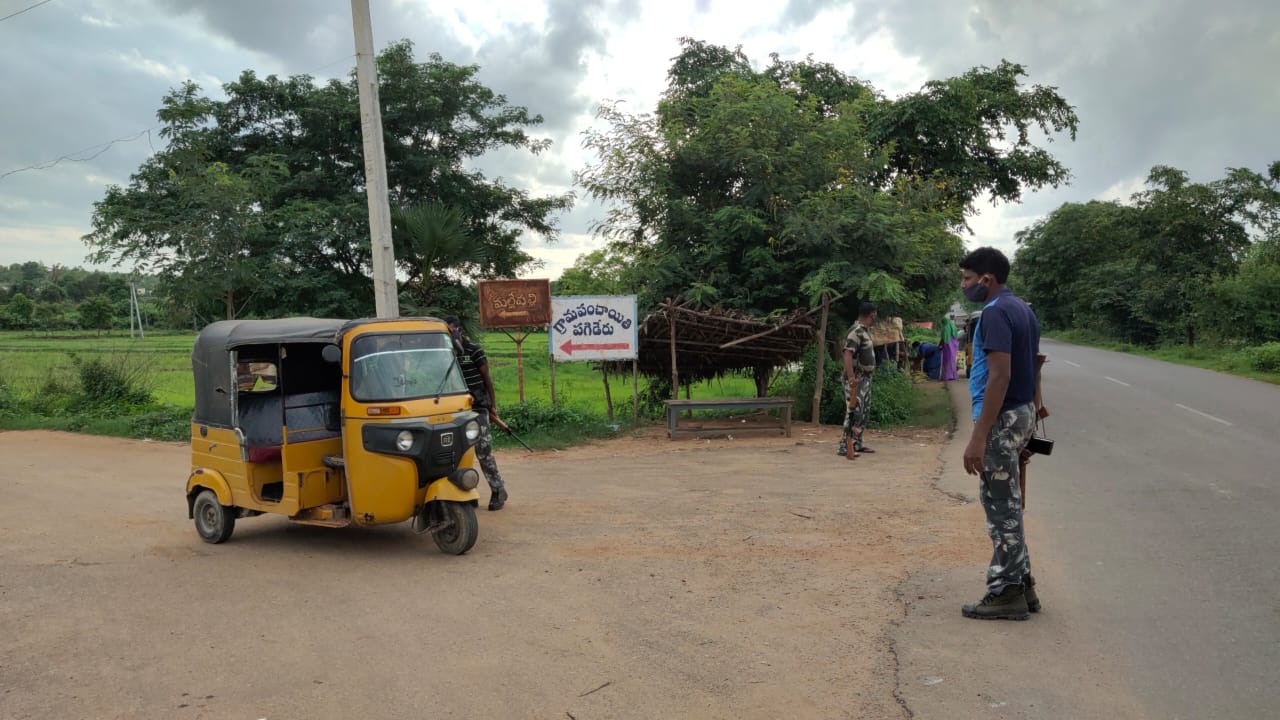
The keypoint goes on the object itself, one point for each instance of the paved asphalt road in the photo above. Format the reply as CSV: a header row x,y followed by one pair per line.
x,y
1155,533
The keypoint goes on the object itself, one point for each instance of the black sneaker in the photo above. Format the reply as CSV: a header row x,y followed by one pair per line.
x,y
498,499
1010,604
1033,600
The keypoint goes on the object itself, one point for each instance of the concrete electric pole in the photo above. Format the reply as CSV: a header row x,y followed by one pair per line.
x,y
385,297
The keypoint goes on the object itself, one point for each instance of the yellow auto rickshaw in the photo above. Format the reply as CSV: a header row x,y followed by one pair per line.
x,y
333,422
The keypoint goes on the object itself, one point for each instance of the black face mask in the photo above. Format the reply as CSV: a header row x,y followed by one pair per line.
x,y
977,293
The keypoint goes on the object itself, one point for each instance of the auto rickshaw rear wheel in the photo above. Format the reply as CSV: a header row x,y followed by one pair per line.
x,y
214,521
461,535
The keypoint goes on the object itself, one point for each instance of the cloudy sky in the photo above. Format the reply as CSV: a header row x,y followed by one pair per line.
x,y
1180,82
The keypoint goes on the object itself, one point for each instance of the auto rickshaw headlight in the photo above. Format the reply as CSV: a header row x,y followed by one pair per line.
x,y
472,430
465,478
404,441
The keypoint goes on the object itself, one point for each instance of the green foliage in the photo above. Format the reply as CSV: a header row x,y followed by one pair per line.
x,y
1179,260
167,422
111,382
8,401
1246,306
21,310
765,190
611,270
96,313
1265,358
893,397
542,424
432,241
257,205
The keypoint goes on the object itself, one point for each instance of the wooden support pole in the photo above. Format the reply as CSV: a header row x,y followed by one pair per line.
x,y
821,361
675,373
553,380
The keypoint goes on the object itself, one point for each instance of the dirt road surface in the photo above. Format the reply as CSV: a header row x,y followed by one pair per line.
x,y
754,577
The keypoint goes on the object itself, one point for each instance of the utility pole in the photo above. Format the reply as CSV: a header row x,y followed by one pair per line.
x,y
385,297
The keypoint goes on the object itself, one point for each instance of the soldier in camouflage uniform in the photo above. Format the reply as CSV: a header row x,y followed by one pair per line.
x,y
1003,383
475,371
859,364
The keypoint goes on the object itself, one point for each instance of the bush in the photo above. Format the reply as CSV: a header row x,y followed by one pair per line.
x,y
164,423
891,394
891,399
541,424
1265,358
111,384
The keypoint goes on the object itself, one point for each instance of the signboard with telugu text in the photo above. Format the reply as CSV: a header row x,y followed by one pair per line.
x,y
594,327
514,303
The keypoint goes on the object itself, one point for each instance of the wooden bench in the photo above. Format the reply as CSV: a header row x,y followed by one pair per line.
x,y
781,404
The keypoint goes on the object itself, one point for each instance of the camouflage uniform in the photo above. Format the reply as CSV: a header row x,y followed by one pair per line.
x,y
484,452
1002,498
860,344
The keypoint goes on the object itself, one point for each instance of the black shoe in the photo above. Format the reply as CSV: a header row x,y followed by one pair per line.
x,y
865,450
1010,604
1033,600
498,499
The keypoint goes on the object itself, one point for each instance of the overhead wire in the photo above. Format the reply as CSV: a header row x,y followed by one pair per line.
x,y
71,156
25,9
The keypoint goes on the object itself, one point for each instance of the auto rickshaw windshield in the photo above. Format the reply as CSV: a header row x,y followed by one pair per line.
x,y
404,366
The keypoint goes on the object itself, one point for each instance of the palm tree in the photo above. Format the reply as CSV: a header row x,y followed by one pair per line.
x,y
433,248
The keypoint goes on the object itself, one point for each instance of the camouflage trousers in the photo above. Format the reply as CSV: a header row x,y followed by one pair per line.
x,y
1002,498
855,420
484,453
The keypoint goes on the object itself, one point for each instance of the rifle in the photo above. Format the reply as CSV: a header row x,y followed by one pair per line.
x,y
493,417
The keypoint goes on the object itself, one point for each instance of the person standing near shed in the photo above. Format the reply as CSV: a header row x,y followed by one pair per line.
x,y
859,364
475,371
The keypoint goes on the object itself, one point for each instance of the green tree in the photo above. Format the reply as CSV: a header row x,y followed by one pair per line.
x,y
49,315
21,310
764,190
611,270
1161,266
285,157
97,312
433,249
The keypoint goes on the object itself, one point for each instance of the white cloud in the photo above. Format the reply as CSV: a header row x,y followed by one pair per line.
x,y
135,61
99,22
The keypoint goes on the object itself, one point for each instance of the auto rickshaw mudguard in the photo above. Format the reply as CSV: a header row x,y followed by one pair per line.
x,y
443,489
211,479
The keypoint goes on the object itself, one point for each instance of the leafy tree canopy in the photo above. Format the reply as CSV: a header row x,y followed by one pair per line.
x,y
257,204
1178,257
764,190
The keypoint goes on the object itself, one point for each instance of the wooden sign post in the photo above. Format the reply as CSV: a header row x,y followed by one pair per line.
x,y
519,305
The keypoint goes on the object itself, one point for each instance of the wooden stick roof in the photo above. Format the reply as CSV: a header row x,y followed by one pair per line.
x,y
714,342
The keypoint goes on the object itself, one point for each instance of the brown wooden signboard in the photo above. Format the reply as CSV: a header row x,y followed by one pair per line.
x,y
515,303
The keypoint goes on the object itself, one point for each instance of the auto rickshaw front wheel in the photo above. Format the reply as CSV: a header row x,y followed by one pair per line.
x,y
214,521
462,531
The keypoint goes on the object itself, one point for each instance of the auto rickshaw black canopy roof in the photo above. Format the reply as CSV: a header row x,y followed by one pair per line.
x,y
211,355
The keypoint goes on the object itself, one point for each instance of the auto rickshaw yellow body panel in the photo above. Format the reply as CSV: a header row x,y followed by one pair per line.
x,y
378,431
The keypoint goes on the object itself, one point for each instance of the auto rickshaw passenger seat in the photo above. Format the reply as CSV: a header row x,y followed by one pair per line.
x,y
261,423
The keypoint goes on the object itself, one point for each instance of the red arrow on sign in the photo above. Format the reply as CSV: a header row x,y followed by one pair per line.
x,y
569,346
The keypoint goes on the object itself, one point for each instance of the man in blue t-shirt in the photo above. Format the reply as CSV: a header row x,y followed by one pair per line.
x,y
1002,382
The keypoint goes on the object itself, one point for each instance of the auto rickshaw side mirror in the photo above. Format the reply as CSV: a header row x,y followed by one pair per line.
x,y
331,353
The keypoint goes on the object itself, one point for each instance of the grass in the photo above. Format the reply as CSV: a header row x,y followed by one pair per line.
x,y
28,361
1230,360
30,364
931,406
